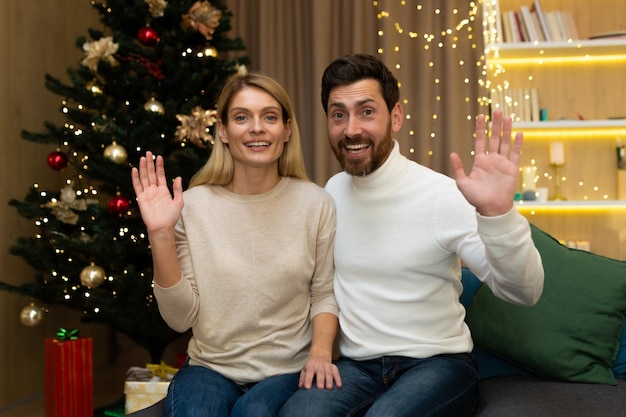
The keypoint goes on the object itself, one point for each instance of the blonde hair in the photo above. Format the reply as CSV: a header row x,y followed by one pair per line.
x,y
219,168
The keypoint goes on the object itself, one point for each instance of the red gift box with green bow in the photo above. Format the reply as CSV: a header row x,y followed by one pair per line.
x,y
68,375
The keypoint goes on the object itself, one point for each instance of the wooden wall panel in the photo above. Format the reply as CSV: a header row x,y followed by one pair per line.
x,y
36,37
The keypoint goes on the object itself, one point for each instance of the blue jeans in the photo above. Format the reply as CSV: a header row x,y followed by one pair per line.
x,y
196,391
394,386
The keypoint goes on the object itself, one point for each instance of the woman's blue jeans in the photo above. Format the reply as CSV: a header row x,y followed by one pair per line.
x,y
196,391
392,386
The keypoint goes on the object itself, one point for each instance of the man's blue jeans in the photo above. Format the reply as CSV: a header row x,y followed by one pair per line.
x,y
392,386
196,391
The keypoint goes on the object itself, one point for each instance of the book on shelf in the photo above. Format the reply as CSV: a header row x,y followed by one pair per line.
x,y
543,22
522,104
616,34
537,25
533,24
507,33
569,24
499,31
512,30
526,102
535,110
562,25
529,24
555,29
521,30
516,108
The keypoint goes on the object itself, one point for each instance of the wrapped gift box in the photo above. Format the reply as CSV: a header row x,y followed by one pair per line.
x,y
68,377
143,388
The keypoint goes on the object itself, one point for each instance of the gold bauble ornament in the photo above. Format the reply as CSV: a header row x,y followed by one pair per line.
x,y
154,106
116,153
31,315
210,51
92,276
93,87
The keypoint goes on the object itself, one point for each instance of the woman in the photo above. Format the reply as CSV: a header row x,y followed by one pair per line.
x,y
244,259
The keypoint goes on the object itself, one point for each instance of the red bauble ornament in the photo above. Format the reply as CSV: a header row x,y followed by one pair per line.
x,y
118,205
57,160
147,36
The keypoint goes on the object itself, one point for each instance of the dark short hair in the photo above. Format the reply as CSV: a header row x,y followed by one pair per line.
x,y
349,69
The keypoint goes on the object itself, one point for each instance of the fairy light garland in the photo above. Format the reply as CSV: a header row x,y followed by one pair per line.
x,y
460,31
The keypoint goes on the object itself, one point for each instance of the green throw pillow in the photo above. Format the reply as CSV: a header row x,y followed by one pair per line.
x,y
572,333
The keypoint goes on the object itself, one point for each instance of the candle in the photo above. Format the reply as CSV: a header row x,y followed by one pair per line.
x,y
557,155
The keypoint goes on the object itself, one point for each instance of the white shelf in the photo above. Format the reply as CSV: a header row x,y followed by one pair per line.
x,y
572,124
531,205
580,77
612,48
563,129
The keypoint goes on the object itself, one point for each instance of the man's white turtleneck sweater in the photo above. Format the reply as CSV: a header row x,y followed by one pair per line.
x,y
402,232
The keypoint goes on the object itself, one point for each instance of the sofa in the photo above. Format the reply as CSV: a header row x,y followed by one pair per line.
x,y
527,396
563,357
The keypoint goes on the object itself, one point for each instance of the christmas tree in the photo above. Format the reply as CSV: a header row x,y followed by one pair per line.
x,y
148,81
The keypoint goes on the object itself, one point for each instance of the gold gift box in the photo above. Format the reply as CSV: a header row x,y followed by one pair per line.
x,y
143,389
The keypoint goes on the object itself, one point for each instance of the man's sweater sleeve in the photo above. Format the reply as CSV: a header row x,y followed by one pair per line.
x,y
515,269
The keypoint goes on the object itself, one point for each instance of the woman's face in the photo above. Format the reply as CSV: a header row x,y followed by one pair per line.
x,y
255,132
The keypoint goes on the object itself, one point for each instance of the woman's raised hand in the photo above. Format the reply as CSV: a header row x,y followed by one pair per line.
x,y
159,210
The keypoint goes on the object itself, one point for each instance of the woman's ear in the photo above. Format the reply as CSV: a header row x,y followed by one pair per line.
x,y
288,130
221,131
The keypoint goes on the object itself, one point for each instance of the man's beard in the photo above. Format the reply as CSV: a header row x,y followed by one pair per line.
x,y
364,166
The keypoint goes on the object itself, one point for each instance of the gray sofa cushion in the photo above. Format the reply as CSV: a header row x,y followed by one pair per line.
x,y
531,396
527,396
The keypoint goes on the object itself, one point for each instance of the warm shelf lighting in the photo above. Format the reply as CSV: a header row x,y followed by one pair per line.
x,y
572,129
578,52
572,133
542,60
564,207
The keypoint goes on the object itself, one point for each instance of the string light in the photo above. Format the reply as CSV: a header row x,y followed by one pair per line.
x,y
459,30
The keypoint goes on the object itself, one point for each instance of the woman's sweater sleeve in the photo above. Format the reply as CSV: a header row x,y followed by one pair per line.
x,y
179,304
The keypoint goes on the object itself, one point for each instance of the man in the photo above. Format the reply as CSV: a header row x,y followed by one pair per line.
x,y
402,232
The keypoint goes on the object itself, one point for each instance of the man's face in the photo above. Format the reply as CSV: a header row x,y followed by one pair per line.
x,y
360,126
